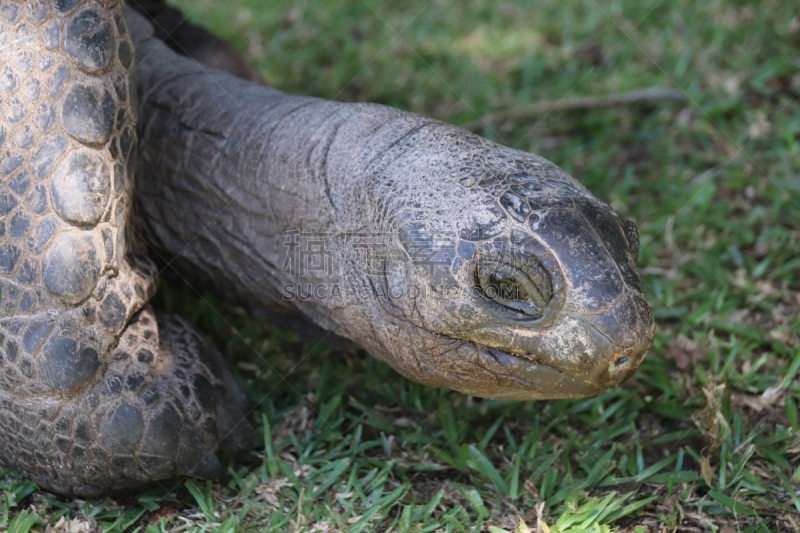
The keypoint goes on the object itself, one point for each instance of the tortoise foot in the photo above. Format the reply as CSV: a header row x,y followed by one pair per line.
x,y
160,408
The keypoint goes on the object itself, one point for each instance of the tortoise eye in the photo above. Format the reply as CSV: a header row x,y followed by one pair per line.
x,y
632,234
527,293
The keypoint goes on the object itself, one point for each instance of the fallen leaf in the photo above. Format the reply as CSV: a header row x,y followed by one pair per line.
x,y
589,53
684,351
759,127
522,527
707,471
771,397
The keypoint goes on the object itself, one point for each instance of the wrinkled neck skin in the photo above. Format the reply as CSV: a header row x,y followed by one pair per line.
x,y
388,228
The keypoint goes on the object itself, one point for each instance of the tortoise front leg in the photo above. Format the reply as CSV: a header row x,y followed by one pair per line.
x,y
97,392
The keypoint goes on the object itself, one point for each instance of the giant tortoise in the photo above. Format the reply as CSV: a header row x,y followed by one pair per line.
x,y
460,262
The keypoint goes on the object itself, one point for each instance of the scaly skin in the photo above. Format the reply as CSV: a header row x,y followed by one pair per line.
x,y
97,392
422,223
414,223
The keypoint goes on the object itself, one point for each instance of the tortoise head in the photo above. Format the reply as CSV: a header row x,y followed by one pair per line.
x,y
509,279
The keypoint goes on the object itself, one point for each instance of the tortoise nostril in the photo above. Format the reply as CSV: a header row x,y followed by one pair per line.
x,y
525,292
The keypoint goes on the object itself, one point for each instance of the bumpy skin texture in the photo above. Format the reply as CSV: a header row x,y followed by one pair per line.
x,y
414,221
97,392
409,223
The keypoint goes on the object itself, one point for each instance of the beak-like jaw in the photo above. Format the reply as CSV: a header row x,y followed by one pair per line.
x,y
572,359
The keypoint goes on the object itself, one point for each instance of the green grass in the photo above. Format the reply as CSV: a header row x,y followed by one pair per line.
x,y
704,437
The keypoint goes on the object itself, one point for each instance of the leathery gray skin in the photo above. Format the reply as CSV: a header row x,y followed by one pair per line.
x,y
98,392
461,263
421,225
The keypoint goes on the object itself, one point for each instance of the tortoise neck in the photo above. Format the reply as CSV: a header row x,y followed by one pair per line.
x,y
255,190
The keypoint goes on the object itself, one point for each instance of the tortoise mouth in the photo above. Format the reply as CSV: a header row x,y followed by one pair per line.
x,y
517,374
533,379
